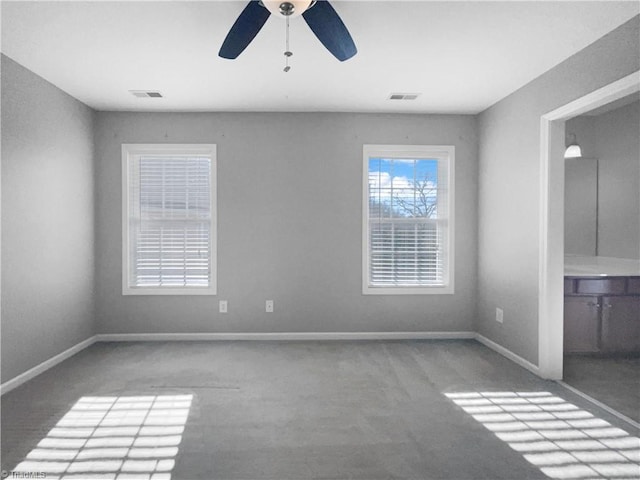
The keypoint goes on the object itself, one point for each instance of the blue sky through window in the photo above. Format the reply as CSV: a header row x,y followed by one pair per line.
x,y
403,187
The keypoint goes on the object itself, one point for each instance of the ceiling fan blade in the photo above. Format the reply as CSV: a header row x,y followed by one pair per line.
x,y
326,24
244,30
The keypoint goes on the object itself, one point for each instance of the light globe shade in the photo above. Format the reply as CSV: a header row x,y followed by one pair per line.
x,y
299,6
573,151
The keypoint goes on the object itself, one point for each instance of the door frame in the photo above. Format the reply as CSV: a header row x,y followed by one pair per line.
x,y
551,240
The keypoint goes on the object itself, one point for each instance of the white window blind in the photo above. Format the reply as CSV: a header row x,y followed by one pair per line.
x,y
170,219
407,225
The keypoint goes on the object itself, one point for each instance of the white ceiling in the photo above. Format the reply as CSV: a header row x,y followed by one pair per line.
x,y
461,56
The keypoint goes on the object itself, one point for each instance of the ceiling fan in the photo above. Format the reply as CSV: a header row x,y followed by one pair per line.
x,y
319,15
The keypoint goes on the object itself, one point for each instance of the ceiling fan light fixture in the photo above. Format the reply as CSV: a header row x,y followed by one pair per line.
x,y
320,16
287,8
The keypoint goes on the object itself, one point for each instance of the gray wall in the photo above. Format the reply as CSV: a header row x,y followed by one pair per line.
x,y
47,220
290,220
580,206
618,151
614,139
509,188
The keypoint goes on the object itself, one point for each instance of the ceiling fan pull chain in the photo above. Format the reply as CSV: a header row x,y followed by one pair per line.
x,y
287,53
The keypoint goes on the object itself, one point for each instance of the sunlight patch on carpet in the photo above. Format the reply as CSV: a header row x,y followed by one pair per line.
x,y
562,440
112,438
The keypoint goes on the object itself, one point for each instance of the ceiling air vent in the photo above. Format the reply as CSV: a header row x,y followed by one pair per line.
x,y
403,96
145,94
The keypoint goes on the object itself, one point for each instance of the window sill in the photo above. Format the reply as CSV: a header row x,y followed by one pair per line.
x,y
168,291
432,290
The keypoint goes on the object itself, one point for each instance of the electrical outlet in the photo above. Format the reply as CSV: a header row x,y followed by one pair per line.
x,y
499,315
268,306
223,306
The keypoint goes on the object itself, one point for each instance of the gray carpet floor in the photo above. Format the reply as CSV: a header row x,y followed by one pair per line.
x,y
613,381
304,410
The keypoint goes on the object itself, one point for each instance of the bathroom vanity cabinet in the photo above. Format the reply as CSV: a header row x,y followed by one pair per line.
x,y
602,314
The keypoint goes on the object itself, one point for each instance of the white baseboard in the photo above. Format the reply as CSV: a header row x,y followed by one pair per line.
x,y
167,337
151,337
508,353
44,366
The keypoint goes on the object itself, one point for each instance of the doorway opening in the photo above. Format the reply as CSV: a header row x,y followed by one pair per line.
x,y
552,217
593,310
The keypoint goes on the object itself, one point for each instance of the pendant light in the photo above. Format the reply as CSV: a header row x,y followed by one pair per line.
x,y
573,150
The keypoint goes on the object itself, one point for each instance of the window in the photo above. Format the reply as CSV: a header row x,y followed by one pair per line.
x,y
407,219
169,219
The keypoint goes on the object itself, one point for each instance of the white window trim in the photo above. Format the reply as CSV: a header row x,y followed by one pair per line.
x,y
129,150
444,152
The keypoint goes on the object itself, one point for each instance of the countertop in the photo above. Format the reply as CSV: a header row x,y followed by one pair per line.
x,y
583,266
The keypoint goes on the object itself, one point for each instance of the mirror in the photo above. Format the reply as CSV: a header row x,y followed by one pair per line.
x,y
602,188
